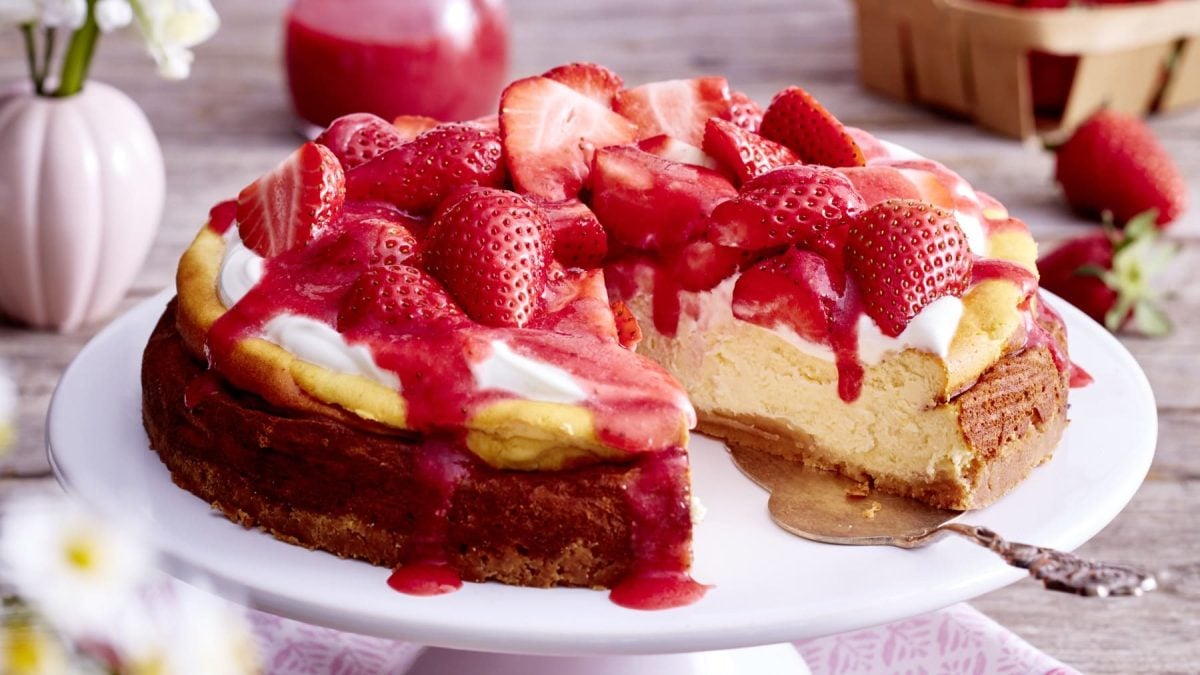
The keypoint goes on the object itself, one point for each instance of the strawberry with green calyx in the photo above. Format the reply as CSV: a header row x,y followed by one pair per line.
x,y
904,254
1108,275
1113,162
486,247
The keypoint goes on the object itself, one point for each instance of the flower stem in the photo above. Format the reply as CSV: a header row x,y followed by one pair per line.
x,y
79,55
31,56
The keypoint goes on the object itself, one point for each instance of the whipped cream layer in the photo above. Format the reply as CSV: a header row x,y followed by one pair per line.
x,y
316,342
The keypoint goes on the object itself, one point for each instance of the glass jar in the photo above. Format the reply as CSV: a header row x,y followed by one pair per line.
x,y
445,59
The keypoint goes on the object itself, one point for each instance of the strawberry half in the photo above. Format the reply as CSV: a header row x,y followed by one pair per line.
x,y
649,203
293,203
629,333
677,108
579,238
744,153
744,111
905,254
486,246
550,133
358,138
590,79
676,150
409,127
804,205
418,175
1114,163
1108,275
797,120
796,289
385,301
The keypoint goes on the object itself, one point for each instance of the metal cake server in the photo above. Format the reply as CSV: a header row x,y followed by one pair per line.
x,y
820,505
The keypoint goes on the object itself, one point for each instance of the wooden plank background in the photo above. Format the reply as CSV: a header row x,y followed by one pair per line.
x,y
230,122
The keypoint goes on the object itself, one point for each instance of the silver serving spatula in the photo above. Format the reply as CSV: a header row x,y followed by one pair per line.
x,y
820,505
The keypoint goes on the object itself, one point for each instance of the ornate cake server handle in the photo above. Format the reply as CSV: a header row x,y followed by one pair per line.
x,y
818,505
1058,570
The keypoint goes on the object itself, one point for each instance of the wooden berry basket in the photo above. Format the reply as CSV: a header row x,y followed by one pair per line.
x,y
971,58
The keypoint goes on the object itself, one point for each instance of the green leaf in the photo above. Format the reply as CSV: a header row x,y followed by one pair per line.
x,y
1144,224
1148,319
1114,320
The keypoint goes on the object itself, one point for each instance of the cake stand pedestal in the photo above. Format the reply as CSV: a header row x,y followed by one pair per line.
x,y
777,659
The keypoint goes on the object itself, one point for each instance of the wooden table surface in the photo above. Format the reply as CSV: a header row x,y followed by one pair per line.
x,y
230,122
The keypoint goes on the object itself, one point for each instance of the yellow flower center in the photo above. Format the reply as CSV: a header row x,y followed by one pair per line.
x,y
80,552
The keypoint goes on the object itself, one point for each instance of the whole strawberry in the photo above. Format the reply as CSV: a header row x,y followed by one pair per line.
x,y
1114,163
388,300
359,137
486,247
1108,275
905,254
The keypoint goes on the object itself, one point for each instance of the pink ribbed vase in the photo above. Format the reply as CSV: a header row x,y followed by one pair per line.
x,y
81,196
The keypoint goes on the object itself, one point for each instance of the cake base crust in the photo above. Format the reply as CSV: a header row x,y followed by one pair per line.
x,y
320,483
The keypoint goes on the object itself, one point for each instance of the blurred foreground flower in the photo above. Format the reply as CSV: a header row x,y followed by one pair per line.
x,y
86,594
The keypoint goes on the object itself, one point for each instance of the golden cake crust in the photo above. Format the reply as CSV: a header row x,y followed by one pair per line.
x,y
313,480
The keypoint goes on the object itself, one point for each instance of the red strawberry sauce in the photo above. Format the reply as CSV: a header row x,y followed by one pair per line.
x,y
636,406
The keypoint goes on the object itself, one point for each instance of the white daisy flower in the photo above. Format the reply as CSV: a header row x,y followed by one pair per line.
x,y
112,14
75,570
29,649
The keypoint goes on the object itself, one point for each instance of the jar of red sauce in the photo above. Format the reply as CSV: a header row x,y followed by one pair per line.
x,y
445,59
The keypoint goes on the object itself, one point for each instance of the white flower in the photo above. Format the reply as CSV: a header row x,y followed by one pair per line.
x,y
69,14
77,571
171,28
17,12
29,649
112,14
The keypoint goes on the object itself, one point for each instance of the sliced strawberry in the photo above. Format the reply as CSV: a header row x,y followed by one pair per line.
x,y
797,289
592,80
550,133
579,238
797,120
358,138
905,254
744,153
804,205
409,127
486,246
744,112
629,333
293,203
388,300
701,265
677,108
418,175
676,150
650,203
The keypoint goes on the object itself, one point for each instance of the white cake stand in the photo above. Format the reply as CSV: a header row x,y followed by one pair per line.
x,y
769,588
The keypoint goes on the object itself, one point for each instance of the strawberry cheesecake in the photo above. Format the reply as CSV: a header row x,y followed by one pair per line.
x,y
475,350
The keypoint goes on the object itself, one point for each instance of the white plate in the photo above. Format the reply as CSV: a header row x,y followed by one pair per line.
x,y
768,585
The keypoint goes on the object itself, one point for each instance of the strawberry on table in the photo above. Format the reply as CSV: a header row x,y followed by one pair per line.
x,y
744,111
550,133
590,79
1114,163
293,202
905,254
745,153
419,174
358,138
486,246
797,289
804,205
579,238
387,300
795,119
677,108
1108,275
649,203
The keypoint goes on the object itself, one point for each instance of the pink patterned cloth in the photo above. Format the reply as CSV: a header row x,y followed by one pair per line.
x,y
958,640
